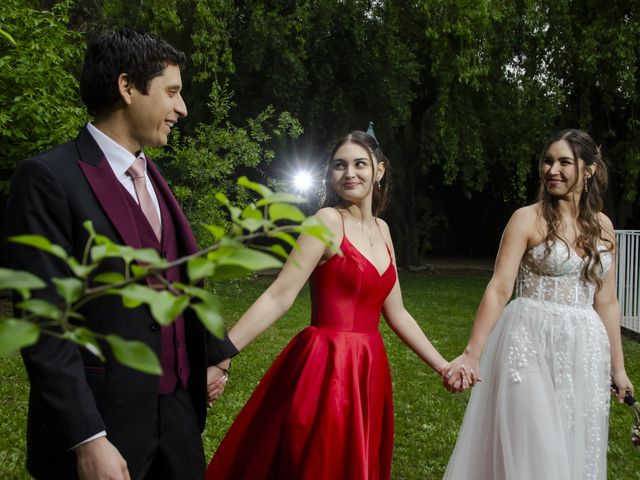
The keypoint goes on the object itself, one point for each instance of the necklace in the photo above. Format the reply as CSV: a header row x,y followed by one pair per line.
x,y
365,234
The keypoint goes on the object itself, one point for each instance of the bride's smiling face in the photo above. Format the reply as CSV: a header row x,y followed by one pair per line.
x,y
353,171
561,172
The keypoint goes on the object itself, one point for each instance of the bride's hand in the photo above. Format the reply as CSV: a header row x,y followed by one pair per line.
x,y
622,383
454,381
462,373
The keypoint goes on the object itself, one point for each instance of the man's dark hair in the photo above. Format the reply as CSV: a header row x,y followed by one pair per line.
x,y
142,56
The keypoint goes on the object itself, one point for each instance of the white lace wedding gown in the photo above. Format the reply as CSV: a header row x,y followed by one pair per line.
x,y
541,411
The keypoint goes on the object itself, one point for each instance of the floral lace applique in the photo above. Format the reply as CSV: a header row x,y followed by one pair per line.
x,y
520,352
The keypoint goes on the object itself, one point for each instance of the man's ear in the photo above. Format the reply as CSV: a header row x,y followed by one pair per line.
x,y
125,88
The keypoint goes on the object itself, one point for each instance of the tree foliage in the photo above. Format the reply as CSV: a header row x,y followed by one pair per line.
x,y
202,164
39,105
462,93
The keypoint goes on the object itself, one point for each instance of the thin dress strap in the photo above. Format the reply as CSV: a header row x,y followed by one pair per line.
x,y
375,219
342,218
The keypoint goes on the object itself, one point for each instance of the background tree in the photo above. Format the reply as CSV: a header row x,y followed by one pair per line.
x,y
39,104
462,93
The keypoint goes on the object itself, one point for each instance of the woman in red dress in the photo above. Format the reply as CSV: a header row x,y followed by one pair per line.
x,y
324,409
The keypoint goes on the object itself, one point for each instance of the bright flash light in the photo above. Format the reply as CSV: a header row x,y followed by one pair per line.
x,y
302,181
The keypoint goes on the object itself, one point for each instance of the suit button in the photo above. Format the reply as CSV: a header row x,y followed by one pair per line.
x,y
179,344
154,326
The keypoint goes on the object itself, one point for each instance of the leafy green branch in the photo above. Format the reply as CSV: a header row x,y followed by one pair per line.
x,y
141,281
7,36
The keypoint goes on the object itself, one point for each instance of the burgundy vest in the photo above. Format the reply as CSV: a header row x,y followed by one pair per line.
x,y
174,358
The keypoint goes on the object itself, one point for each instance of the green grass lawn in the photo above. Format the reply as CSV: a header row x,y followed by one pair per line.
x,y
427,417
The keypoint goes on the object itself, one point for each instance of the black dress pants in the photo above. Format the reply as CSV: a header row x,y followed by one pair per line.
x,y
176,450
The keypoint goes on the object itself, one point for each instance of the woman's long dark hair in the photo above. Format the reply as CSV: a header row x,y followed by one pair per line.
x,y
381,189
591,234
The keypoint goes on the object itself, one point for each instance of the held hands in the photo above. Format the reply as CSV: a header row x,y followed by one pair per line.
x,y
461,373
100,460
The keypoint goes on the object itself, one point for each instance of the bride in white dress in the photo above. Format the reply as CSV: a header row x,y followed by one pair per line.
x,y
541,410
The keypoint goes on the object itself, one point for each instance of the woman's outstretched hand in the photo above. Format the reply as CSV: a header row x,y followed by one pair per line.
x,y
461,374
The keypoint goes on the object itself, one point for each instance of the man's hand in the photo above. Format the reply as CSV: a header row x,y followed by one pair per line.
x,y
100,460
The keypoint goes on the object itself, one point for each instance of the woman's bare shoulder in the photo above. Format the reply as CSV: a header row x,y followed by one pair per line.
x,y
331,218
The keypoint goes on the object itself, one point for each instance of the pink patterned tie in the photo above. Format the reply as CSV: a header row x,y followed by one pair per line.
x,y
136,172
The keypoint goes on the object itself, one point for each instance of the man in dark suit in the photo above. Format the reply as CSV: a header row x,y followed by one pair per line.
x,y
103,420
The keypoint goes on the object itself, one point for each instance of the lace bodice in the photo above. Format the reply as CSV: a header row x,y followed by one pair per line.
x,y
558,277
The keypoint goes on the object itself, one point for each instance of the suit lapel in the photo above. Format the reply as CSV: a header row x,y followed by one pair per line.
x,y
184,234
107,189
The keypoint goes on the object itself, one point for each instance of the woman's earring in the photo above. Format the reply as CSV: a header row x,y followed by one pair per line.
x,y
378,181
586,184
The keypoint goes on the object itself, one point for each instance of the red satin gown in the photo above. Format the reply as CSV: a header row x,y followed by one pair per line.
x,y
324,410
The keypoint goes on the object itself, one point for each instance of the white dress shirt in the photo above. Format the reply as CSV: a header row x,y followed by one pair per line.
x,y
120,159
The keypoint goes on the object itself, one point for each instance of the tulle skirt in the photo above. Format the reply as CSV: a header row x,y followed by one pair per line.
x,y
541,411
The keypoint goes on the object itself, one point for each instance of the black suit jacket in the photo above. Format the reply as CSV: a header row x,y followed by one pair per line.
x,y
73,394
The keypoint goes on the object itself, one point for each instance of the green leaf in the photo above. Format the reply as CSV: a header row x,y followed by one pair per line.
x,y
208,310
200,293
261,189
280,211
88,226
224,250
279,250
250,224
21,281
287,238
69,289
86,339
166,307
250,259
281,197
99,252
16,334
102,240
41,243
40,308
139,270
250,211
198,268
222,198
211,319
215,230
235,212
135,354
79,270
148,256
8,37
314,227
109,277
135,294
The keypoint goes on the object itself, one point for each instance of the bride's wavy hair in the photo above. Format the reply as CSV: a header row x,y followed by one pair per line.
x,y
591,234
329,197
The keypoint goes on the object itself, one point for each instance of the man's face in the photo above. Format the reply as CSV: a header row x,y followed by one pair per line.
x,y
153,115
